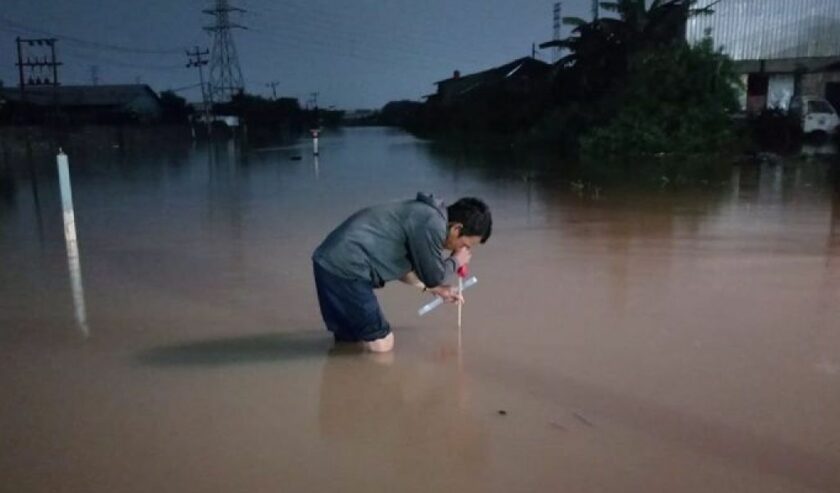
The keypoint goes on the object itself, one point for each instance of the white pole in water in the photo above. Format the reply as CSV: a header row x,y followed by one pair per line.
x,y
460,309
460,304
73,263
315,141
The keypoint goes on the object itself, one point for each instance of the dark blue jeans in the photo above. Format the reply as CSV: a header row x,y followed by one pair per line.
x,y
349,307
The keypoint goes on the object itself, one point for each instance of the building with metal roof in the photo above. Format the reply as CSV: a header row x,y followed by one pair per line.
x,y
782,47
90,103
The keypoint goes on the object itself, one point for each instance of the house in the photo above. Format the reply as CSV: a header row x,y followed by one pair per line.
x,y
782,48
519,77
91,104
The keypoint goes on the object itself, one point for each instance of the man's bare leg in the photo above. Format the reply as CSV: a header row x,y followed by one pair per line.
x,y
382,345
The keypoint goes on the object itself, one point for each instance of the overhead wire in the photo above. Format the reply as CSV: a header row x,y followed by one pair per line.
x,y
84,42
335,24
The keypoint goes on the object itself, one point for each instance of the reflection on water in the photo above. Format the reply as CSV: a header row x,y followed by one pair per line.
x,y
826,148
693,328
402,410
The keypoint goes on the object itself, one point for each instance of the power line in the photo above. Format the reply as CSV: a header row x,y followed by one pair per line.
x,y
306,44
84,42
184,88
321,22
348,47
342,35
106,61
347,41
421,18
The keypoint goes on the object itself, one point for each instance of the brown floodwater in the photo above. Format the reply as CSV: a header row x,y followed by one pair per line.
x,y
641,340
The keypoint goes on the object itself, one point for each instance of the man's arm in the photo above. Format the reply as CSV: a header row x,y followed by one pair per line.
x,y
425,246
448,293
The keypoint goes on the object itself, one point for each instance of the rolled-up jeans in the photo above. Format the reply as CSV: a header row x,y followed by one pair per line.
x,y
349,307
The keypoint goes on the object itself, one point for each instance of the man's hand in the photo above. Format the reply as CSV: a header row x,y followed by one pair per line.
x,y
448,293
462,256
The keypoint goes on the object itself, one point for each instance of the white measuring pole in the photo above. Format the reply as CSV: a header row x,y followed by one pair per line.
x,y
73,264
460,304
315,132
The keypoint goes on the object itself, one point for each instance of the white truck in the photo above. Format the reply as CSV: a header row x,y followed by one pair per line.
x,y
815,115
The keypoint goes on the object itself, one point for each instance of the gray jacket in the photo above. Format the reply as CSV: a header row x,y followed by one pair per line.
x,y
383,243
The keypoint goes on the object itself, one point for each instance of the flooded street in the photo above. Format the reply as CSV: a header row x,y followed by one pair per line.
x,y
635,341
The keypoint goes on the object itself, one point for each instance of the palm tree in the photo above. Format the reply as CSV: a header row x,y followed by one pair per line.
x,y
662,23
637,25
602,48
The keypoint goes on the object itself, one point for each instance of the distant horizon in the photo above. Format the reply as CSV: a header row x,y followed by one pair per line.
x,y
354,57
159,92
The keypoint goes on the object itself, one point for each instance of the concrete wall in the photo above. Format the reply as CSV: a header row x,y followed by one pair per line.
x,y
814,84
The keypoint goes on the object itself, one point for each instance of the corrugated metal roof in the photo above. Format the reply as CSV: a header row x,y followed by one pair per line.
x,y
770,29
500,71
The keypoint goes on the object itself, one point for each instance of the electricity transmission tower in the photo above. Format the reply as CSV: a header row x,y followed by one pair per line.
x,y
225,73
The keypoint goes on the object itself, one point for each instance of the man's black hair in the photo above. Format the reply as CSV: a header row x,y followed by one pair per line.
x,y
474,215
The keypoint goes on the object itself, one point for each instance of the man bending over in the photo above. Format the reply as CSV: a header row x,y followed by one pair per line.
x,y
403,240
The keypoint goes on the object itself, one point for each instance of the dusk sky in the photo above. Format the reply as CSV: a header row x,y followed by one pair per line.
x,y
356,54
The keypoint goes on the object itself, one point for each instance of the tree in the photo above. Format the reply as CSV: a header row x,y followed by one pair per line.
x,y
595,79
676,100
609,42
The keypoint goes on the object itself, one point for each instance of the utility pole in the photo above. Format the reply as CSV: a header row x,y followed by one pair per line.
x,y
35,68
225,74
594,10
556,25
198,62
94,75
31,71
273,85
20,70
312,102
312,105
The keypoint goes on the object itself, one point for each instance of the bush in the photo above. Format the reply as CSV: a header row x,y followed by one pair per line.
x,y
676,100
